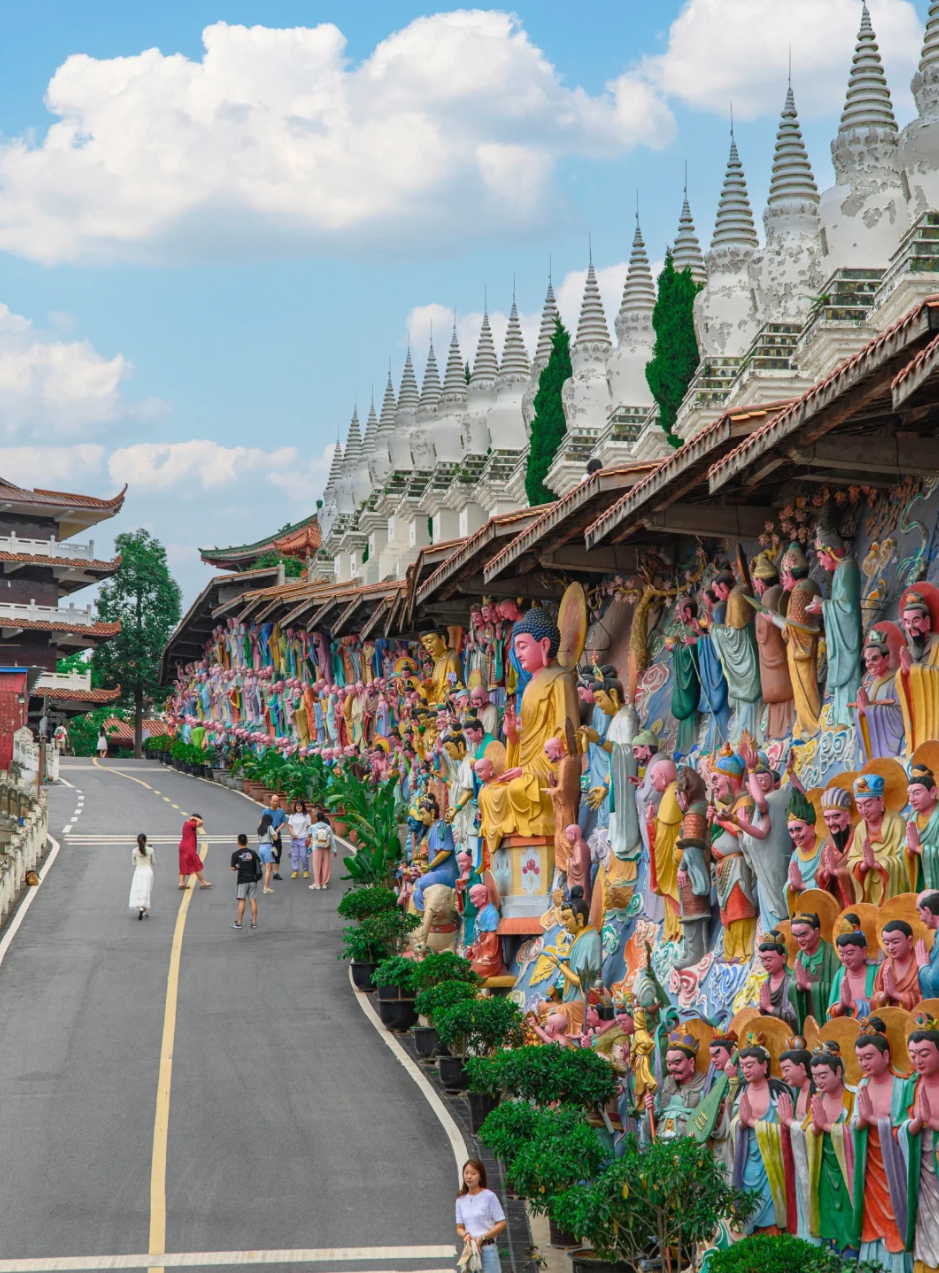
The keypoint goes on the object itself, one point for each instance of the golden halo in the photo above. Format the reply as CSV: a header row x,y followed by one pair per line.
x,y
814,797
927,754
811,1034
776,1035
741,1021
846,782
843,1031
903,906
894,776
897,1022
925,1008
867,914
572,622
784,928
704,1033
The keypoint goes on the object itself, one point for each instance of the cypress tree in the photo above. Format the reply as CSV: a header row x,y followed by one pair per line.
x,y
675,358
548,427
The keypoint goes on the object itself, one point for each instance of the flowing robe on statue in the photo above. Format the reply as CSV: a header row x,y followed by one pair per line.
x,y
822,968
907,986
831,1166
648,800
880,1184
685,690
925,865
713,701
624,836
922,1195
802,655
735,893
843,638
522,806
884,724
760,1164
917,692
735,641
664,871
891,875
769,859
599,760
775,681
862,1006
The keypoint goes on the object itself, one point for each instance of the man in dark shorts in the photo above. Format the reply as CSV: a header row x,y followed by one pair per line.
x,y
246,862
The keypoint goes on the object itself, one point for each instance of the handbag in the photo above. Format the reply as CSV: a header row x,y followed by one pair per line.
x,y
470,1261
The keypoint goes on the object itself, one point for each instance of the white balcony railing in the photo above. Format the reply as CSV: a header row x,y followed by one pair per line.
x,y
26,613
64,681
14,543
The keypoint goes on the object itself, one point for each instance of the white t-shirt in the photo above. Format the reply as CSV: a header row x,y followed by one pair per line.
x,y
299,824
478,1213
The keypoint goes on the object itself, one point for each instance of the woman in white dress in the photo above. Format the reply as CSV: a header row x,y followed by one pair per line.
x,y
142,883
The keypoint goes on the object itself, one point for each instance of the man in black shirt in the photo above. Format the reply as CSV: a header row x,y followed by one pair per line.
x,y
246,862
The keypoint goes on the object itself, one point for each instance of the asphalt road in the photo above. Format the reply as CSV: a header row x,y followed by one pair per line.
x,y
290,1124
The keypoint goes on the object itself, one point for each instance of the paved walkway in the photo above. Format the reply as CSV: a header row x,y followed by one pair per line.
x,y
291,1137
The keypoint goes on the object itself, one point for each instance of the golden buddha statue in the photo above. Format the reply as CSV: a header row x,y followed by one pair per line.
x,y
519,802
446,661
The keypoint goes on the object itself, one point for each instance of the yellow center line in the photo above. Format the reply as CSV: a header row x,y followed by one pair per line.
x,y
161,1122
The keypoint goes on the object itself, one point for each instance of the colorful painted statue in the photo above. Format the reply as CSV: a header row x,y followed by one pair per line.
x,y
693,859
879,1170
794,1107
735,890
922,829
775,682
841,615
734,637
853,986
897,982
663,862
814,969
879,720
917,682
927,908
625,838
832,1213
563,790
834,874
801,633
876,858
758,1147
446,663
461,787
918,1135
777,990
585,955
440,921
442,863
806,848
485,954
765,838
672,1105
578,863
686,686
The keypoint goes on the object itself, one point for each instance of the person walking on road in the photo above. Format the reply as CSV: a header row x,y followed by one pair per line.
x,y
324,844
189,861
299,824
479,1216
266,848
246,862
141,885
102,747
278,819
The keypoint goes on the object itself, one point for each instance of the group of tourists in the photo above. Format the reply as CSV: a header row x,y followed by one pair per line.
x,y
311,843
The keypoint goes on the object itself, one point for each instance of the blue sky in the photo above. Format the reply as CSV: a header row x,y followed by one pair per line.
x,y
212,257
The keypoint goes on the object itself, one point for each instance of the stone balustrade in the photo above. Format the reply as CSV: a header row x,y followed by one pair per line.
x,y
14,543
29,612
63,681
23,838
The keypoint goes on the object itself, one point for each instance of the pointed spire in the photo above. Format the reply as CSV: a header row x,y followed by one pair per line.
x,y
335,467
514,353
430,391
371,429
486,366
591,326
639,289
386,421
867,102
408,397
454,379
792,179
930,56
549,318
734,226
354,440
686,254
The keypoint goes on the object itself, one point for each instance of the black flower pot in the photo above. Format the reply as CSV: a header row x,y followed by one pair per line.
x,y
584,1260
481,1104
362,976
452,1071
560,1238
425,1040
407,1015
397,1014
389,992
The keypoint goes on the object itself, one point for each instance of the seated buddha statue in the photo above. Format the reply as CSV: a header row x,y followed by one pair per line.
x,y
485,954
518,802
446,664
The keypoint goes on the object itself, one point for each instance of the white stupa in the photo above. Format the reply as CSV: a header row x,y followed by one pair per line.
x,y
634,333
422,436
448,429
379,463
864,215
549,318
405,419
725,314
919,141
481,391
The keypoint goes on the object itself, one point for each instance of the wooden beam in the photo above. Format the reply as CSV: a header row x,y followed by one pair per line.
x,y
718,520
591,560
905,456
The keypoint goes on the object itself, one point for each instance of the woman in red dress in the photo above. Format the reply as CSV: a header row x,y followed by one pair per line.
x,y
189,861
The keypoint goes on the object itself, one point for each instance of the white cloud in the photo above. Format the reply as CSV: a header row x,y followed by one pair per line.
x,y
303,484
60,387
52,466
723,51
171,466
451,127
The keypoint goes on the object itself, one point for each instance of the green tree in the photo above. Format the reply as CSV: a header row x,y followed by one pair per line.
x,y
145,597
293,566
80,661
548,427
675,358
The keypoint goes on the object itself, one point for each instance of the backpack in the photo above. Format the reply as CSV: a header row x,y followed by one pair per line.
x,y
321,835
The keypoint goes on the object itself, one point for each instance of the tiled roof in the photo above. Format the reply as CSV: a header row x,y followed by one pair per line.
x,y
467,548
78,696
98,629
73,563
299,537
785,421
122,731
13,494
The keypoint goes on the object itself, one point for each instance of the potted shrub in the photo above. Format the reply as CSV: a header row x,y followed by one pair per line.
x,y
476,1027
432,1000
374,939
764,1253
546,1076
394,978
507,1128
360,903
649,1208
442,966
